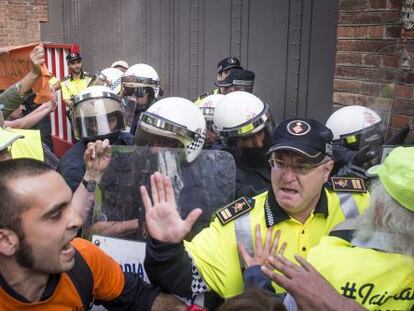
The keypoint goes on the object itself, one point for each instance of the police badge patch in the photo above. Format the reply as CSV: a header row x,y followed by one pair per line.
x,y
348,184
234,210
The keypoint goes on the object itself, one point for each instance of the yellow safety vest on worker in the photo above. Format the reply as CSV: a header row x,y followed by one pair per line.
x,y
214,250
30,146
72,87
377,280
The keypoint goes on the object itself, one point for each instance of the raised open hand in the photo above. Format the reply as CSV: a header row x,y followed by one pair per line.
x,y
262,251
163,221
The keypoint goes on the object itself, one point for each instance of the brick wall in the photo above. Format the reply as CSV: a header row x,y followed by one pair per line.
x,y
375,54
20,21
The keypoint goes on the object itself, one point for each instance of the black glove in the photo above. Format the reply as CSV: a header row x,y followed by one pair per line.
x,y
350,170
355,167
399,137
362,157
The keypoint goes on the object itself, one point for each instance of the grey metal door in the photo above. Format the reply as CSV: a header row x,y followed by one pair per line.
x,y
289,44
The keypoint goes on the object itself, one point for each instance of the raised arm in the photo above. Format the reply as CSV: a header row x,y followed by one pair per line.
x,y
32,118
96,158
14,96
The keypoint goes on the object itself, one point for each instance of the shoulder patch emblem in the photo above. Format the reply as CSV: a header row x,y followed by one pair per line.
x,y
234,210
348,184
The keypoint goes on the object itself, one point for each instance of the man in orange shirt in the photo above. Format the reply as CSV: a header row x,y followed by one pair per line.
x,y
43,266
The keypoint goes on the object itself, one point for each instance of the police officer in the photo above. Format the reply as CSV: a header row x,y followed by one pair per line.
x,y
97,115
76,81
245,125
381,249
223,69
298,204
356,142
237,80
140,89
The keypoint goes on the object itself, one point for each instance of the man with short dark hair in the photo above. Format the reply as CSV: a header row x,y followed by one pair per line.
x,y
76,81
223,70
42,265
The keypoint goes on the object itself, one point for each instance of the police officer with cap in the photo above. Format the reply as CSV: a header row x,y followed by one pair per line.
x,y
237,80
223,69
76,81
298,204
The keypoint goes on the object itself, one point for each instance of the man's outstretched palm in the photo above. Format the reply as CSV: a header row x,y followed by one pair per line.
x,y
163,221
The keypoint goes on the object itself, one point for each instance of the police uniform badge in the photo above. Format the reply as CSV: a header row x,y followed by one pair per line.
x,y
348,184
232,61
298,127
234,210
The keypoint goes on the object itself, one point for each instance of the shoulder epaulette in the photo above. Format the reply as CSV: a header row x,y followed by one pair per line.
x,y
347,184
234,210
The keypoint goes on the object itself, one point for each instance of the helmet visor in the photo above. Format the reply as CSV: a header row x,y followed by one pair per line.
x,y
146,139
138,91
97,117
149,120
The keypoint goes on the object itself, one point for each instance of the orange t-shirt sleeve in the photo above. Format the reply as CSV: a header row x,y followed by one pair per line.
x,y
108,278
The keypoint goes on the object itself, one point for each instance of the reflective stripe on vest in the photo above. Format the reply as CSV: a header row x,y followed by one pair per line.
x,y
242,227
348,205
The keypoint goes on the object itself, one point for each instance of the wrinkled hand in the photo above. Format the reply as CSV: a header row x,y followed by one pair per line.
x,y
262,251
37,58
163,221
97,157
307,286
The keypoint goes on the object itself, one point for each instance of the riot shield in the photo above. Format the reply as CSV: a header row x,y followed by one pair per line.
x,y
207,183
389,96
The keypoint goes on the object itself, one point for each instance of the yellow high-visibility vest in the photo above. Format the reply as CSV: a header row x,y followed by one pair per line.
x,y
375,279
30,146
214,250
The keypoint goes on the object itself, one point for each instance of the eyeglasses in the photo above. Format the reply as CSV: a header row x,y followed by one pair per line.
x,y
301,169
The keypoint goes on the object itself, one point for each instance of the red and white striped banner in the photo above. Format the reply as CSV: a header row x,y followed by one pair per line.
x,y
61,127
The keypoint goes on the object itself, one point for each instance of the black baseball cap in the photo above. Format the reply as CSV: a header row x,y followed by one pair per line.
x,y
228,63
239,77
307,137
73,56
